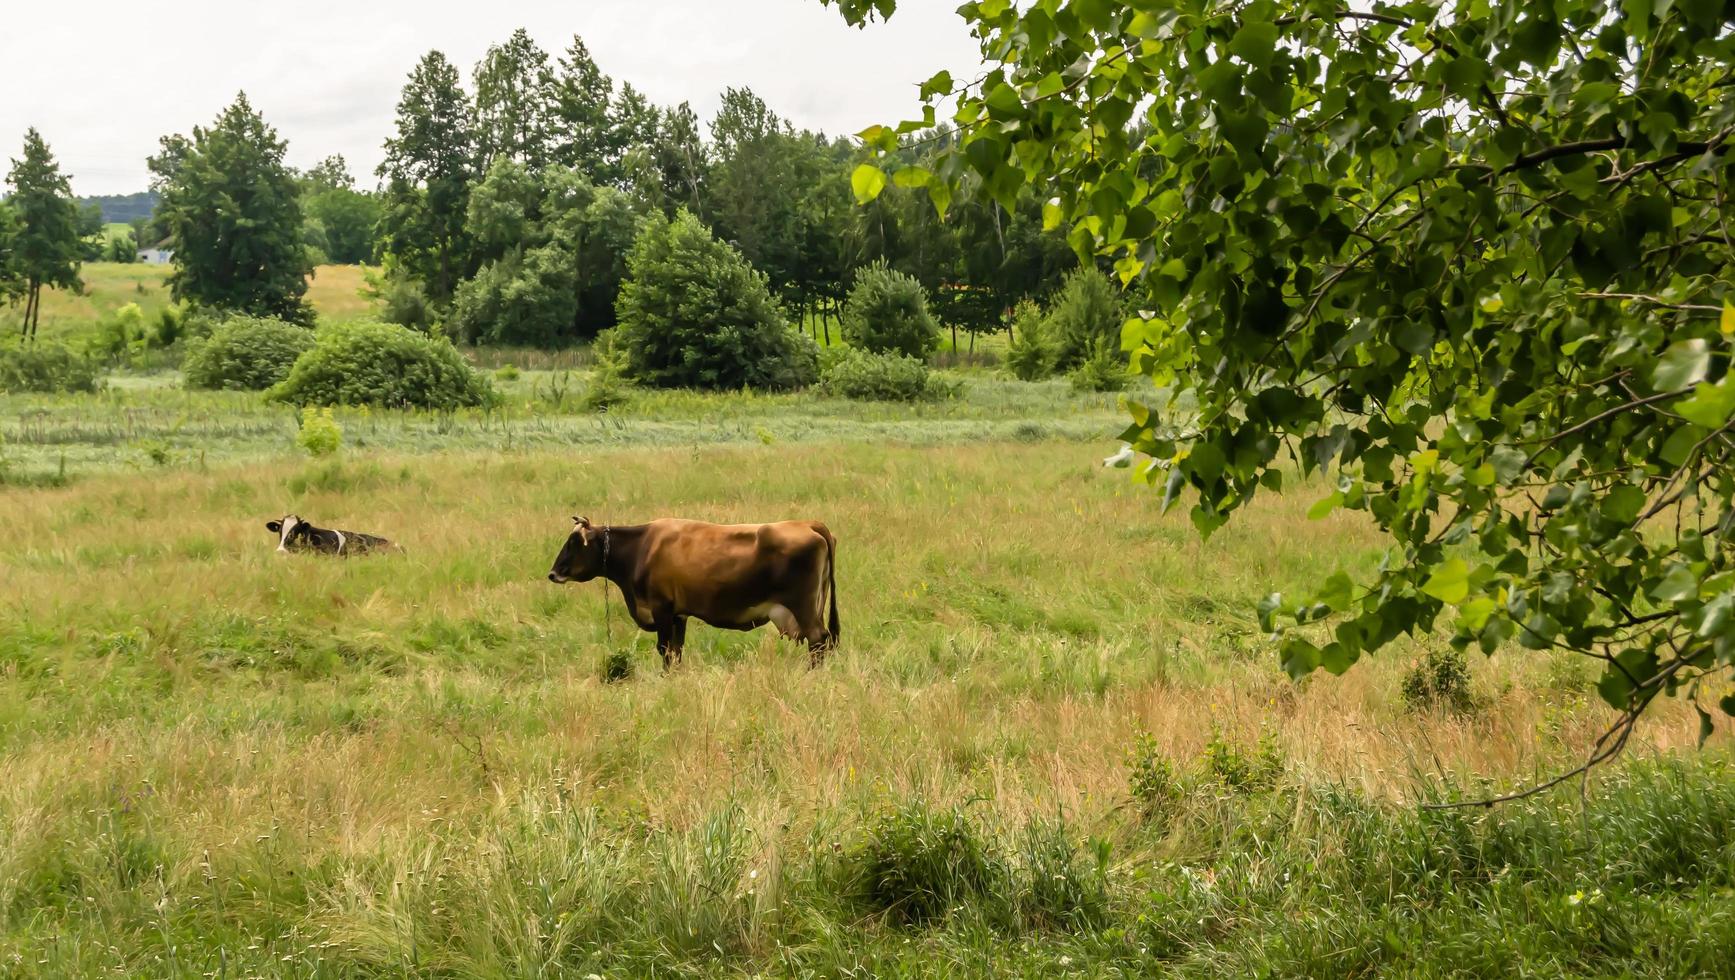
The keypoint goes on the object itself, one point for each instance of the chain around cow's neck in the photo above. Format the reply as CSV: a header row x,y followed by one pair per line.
x,y
607,624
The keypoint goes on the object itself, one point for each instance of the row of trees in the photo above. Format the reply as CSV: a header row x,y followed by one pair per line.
x,y
511,205
507,208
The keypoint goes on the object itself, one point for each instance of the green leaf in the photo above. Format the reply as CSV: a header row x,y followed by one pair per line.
x,y
912,177
1683,365
940,84
1727,322
867,181
1709,405
1325,506
1679,584
1254,43
1705,726
1450,582
1624,503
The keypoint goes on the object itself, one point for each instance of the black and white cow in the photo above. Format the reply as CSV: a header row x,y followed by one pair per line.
x,y
295,534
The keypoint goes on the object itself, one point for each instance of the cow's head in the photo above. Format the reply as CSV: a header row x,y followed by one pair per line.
x,y
286,530
580,560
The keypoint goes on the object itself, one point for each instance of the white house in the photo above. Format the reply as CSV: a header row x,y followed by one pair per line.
x,y
155,256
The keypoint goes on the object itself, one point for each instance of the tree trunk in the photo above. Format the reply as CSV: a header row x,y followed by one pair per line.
x,y
825,320
29,301
954,338
972,343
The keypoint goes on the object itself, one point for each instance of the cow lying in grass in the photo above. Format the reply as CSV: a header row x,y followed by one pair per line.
x,y
735,576
295,534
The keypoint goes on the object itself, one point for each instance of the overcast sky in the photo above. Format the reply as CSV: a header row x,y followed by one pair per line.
x,y
103,80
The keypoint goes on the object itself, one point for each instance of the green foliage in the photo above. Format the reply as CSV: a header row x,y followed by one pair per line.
x,y
1152,780
1487,287
347,220
525,299
45,367
618,667
609,385
693,313
1439,679
896,377
43,244
232,212
429,168
1104,370
320,435
1084,319
917,864
402,300
1225,763
245,354
384,365
888,313
1030,356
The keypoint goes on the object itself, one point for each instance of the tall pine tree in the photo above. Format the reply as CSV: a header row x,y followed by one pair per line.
x,y
46,248
582,95
429,167
514,103
232,211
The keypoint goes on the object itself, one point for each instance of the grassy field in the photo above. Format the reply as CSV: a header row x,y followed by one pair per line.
x,y
1052,741
334,291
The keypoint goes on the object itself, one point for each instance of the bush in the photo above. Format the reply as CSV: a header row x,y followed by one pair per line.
x,y
245,354
1152,780
882,377
386,365
916,864
44,367
1085,314
1228,765
403,301
888,313
1440,679
608,385
525,299
320,434
1104,370
693,313
1031,355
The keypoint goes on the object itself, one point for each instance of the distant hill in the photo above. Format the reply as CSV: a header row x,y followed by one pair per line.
x,y
123,208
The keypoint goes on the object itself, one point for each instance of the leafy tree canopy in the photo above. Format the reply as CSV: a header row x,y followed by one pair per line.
x,y
233,215
1470,260
46,244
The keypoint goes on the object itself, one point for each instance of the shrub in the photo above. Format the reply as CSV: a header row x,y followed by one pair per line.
x,y
1031,354
1151,779
608,385
43,367
693,313
1104,370
403,301
526,298
1440,679
883,377
320,434
386,365
1225,763
169,327
245,354
888,313
617,668
507,372
915,864
1085,313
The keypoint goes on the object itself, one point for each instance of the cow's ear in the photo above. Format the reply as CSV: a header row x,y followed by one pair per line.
x,y
275,527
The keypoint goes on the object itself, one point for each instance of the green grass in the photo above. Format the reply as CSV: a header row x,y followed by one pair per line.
x,y
1051,742
108,286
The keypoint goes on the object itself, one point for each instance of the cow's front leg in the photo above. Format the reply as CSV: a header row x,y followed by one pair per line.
x,y
680,637
668,642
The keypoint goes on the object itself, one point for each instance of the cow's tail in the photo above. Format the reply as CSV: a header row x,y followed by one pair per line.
x,y
831,582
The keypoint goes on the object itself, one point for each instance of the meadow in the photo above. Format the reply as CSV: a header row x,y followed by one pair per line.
x,y
1052,742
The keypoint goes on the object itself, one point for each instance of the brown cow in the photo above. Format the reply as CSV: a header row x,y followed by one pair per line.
x,y
736,576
